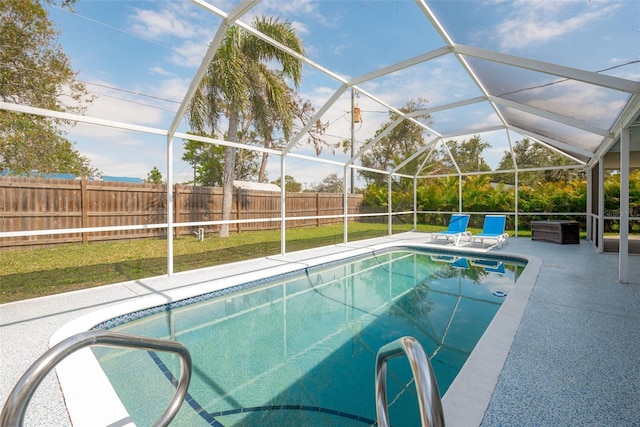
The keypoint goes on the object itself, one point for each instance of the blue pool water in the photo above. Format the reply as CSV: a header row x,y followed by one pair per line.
x,y
300,350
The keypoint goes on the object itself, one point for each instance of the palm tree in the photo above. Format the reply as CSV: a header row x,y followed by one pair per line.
x,y
247,78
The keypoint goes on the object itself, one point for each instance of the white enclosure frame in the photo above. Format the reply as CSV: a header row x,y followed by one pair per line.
x,y
623,132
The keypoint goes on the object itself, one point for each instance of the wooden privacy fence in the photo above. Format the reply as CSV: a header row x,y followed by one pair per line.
x,y
28,204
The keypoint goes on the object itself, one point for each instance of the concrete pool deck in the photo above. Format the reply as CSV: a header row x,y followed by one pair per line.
x,y
573,359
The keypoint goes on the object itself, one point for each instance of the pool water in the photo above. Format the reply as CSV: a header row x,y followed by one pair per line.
x,y
301,350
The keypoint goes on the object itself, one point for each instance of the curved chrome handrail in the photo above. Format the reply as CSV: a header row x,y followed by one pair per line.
x,y
431,413
14,409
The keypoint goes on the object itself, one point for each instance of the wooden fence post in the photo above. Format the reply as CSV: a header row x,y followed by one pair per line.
x,y
84,207
28,203
176,209
238,208
318,209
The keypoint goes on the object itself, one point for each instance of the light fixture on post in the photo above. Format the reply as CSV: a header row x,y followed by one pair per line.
x,y
355,118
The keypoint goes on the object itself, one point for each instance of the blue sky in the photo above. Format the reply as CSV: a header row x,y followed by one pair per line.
x,y
138,58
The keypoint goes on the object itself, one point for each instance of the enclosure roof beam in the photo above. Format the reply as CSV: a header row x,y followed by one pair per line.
x,y
449,106
449,41
502,171
241,9
466,132
630,113
602,80
297,137
560,147
426,158
266,38
395,110
18,108
416,154
374,140
551,116
402,65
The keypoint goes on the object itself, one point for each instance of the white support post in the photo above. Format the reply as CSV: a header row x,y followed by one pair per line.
x,y
623,251
516,195
345,203
517,198
600,245
283,213
353,141
459,193
170,206
390,210
415,204
588,218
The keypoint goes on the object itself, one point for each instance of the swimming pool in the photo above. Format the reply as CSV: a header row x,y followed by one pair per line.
x,y
301,349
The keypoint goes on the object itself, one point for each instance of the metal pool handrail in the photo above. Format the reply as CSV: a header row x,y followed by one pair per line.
x,y
431,413
14,409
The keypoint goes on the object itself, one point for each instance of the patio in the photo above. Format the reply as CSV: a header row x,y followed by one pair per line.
x,y
573,360
571,355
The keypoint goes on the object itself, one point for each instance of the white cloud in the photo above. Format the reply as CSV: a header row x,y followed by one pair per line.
x,y
299,7
288,9
160,23
185,28
121,110
160,71
538,22
126,106
603,104
307,173
173,89
190,53
115,167
300,27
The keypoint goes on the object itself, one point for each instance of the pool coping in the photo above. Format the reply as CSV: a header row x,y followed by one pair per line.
x,y
474,385
89,395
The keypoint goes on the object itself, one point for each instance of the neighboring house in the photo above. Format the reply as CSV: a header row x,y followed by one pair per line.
x,y
132,180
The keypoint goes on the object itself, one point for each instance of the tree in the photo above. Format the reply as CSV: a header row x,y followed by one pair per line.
x,y
35,71
468,154
532,155
401,142
154,176
290,184
207,161
303,112
331,183
247,76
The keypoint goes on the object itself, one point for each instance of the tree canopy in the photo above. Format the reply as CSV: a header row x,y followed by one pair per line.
x,y
154,176
530,154
400,143
468,154
290,184
35,71
207,161
331,183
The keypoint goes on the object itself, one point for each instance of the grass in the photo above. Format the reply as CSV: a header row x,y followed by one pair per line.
x,y
30,273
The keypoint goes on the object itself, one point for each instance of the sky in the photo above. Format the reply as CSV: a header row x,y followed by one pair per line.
x,y
138,58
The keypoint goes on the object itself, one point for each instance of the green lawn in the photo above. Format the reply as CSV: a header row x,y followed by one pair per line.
x,y
29,273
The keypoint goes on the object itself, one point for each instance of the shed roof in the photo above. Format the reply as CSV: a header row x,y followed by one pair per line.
x,y
258,186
